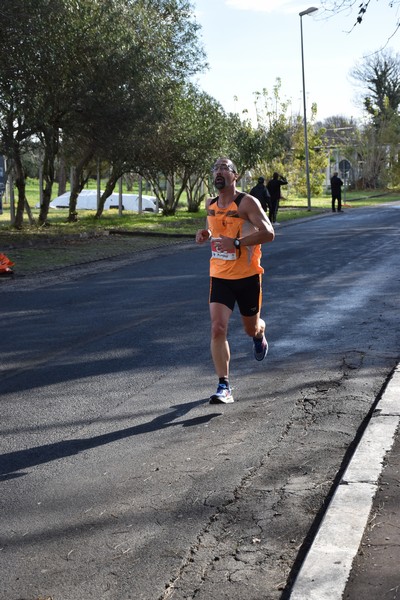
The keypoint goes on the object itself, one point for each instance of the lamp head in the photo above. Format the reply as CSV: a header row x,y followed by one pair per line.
x,y
308,11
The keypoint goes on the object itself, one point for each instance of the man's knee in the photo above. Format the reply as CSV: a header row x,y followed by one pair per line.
x,y
218,329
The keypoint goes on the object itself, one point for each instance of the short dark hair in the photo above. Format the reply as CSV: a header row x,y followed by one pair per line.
x,y
261,180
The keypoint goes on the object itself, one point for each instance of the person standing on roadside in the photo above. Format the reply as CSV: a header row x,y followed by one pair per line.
x,y
336,192
274,187
260,192
236,226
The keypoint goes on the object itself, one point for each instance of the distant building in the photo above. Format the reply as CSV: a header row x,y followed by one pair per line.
x,y
342,155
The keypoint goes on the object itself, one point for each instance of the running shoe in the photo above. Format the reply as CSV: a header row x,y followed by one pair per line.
x,y
223,395
260,348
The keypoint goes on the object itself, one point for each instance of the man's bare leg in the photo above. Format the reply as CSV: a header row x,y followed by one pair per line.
x,y
255,328
220,315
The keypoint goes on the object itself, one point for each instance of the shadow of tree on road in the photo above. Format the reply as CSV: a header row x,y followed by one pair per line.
x,y
18,460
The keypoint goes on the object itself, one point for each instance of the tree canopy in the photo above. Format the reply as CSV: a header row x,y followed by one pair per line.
x,y
88,73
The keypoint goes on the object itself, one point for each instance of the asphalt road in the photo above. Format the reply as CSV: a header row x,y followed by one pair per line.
x,y
119,480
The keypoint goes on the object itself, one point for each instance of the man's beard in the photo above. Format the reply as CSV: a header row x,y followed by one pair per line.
x,y
220,183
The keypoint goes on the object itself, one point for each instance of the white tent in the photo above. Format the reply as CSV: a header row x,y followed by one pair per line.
x,y
87,200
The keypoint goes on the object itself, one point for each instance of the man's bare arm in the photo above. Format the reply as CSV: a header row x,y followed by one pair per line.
x,y
250,209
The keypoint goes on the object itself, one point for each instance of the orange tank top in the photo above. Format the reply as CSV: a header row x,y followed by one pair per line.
x,y
241,262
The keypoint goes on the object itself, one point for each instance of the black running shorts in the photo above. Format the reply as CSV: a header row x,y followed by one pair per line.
x,y
246,292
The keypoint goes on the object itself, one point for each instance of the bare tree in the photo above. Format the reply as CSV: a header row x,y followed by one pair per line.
x,y
379,76
360,9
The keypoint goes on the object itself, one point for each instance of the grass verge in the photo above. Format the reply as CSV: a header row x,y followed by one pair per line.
x,y
65,244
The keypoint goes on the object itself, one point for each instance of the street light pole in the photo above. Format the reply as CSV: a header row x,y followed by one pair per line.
x,y
301,15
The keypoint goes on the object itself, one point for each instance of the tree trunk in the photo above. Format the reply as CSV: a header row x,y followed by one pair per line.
x,y
129,180
50,151
110,186
21,187
29,212
153,183
78,184
173,195
169,205
62,176
195,194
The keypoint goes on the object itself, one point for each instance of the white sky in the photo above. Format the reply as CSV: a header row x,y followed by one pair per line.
x,y
249,43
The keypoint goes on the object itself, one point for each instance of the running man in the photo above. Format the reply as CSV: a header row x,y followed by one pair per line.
x,y
236,227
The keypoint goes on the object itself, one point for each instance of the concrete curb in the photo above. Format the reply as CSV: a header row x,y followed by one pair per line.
x,y
327,566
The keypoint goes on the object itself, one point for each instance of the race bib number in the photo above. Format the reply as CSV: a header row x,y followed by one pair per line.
x,y
216,251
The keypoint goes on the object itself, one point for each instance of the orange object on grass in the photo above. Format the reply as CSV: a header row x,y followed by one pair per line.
x,y
5,264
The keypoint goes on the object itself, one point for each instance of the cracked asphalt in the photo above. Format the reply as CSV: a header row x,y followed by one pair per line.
x,y
119,480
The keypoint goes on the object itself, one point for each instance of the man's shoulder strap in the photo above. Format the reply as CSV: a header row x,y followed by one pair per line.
x,y
239,198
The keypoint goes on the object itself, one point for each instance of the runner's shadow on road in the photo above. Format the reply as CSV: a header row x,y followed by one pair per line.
x,y
13,462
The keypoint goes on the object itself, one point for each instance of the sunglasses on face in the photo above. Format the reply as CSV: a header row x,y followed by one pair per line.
x,y
223,168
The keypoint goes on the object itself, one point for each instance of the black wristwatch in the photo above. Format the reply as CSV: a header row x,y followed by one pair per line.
x,y
236,243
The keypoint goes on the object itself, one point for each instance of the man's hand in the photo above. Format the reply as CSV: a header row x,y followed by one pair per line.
x,y
226,243
203,235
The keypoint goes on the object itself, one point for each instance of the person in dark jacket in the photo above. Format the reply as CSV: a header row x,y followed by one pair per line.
x,y
274,187
260,192
336,192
